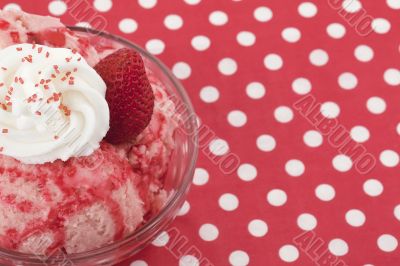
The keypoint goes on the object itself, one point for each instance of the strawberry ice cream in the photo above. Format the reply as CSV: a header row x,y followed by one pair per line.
x,y
68,201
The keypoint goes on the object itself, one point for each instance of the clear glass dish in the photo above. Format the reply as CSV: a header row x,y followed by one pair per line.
x,y
177,182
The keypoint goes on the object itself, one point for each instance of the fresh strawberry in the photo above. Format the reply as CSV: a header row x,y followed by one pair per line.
x,y
129,94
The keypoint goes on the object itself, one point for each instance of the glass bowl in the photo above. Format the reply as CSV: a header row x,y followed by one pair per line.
x,y
177,181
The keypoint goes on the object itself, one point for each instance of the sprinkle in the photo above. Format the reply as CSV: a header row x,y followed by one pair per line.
x,y
56,137
33,45
4,131
46,87
38,113
64,78
79,59
75,69
71,82
1,84
7,98
16,79
40,49
49,99
4,68
53,76
37,85
74,51
28,58
9,103
68,59
47,54
19,49
21,80
68,73
48,80
1,149
56,69
40,72
4,107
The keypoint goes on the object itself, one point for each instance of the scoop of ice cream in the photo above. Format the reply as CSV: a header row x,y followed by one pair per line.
x,y
79,205
53,104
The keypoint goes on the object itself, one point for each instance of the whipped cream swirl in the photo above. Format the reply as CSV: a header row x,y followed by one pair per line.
x,y
52,104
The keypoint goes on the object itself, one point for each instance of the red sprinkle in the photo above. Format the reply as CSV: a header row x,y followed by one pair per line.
x,y
47,54
40,49
19,49
38,113
21,80
4,68
5,130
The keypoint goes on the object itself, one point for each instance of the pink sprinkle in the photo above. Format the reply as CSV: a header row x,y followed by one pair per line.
x,y
40,49
19,49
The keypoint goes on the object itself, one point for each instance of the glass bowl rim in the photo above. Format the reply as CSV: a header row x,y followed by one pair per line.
x,y
173,200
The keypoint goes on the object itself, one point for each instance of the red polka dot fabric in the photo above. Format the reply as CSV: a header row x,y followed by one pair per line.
x,y
304,98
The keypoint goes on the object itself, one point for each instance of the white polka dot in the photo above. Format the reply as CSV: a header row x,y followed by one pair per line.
x,y
319,57
273,62
307,9
389,158
161,240
359,134
218,18
57,8
184,209
355,218
277,197
258,228
173,22
192,2
139,263
294,168
246,38
396,212
364,53
376,105
351,6
283,114
313,138
301,86
182,70
147,3
103,5
394,4
239,258
342,163
289,253
128,25
325,192
247,172
255,90
228,202
155,46
12,6
208,232
381,25
330,109
338,247
219,147
263,14
392,77
209,94
387,243
336,30
306,221
84,24
201,177
227,66
291,34
347,81
266,143
373,187
201,43
189,260
237,118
